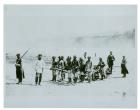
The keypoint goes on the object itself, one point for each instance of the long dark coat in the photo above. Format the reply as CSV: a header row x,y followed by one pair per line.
x,y
123,67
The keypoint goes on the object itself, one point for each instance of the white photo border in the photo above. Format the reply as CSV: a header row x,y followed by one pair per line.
x,y
58,2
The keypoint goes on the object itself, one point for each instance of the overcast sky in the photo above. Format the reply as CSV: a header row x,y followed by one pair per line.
x,y
41,27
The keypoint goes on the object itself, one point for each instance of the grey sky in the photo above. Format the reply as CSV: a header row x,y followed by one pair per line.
x,y
42,26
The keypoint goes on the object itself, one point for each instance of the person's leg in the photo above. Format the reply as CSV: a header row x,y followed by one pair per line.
x,y
17,75
89,77
52,75
123,75
101,75
18,80
40,78
61,76
36,78
76,79
55,78
82,78
111,68
20,77
70,80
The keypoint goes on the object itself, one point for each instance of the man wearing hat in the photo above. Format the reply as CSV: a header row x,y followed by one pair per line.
x,y
19,70
39,68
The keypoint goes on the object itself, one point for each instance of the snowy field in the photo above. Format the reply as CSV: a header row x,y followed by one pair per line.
x,y
111,92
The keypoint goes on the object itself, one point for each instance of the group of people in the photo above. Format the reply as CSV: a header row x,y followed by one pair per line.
x,y
72,69
79,70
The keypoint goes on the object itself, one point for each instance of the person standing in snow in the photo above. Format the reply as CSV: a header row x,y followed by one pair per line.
x,y
88,68
124,70
84,61
81,70
19,69
110,61
53,68
39,68
60,67
101,65
68,67
75,66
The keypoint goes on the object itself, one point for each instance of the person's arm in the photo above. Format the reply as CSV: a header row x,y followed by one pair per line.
x,y
113,58
19,64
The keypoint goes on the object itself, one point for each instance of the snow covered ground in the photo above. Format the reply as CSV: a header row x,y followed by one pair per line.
x,y
111,92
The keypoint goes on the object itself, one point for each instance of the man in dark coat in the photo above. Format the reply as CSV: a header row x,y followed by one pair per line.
x,y
19,70
124,70
110,61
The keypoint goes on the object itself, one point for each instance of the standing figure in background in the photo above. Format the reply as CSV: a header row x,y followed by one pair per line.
x,y
124,70
101,65
39,68
58,70
88,68
68,67
82,70
110,61
19,69
53,68
84,61
95,73
60,66
75,66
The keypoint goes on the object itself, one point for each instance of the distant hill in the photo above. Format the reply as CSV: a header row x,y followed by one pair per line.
x,y
126,39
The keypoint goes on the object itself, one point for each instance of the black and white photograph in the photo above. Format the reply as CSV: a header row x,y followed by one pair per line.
x,y
70,56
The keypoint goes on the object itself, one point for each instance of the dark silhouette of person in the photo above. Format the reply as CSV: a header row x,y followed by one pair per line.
x,y
110,61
